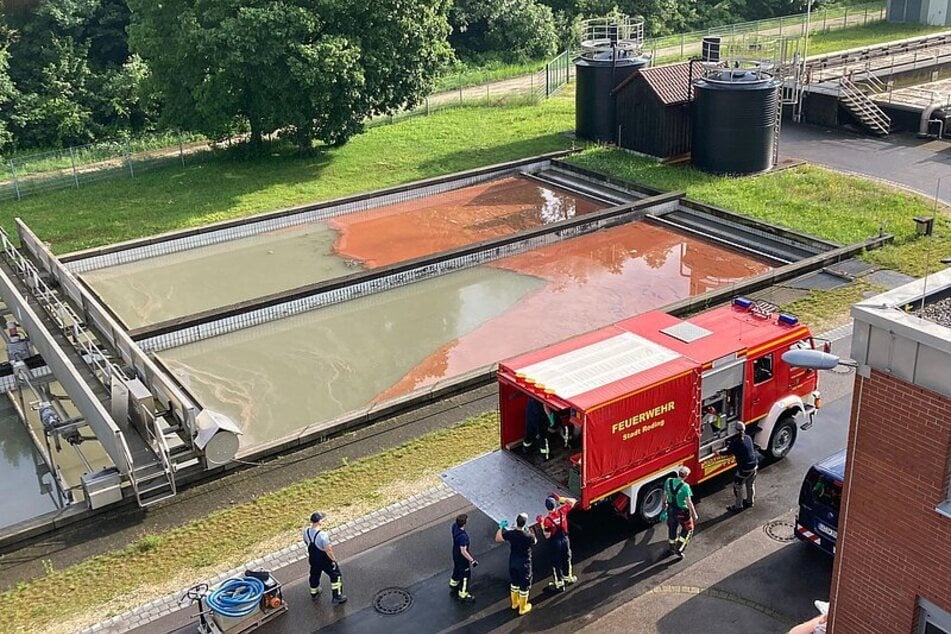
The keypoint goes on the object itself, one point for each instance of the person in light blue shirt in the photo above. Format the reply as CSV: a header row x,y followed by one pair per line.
x,y
321,557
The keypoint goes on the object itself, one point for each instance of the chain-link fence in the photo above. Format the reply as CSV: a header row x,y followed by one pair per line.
x,y
523,89
79,165
682,46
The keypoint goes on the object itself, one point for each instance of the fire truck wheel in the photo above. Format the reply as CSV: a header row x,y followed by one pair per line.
x,y
650,503
783,437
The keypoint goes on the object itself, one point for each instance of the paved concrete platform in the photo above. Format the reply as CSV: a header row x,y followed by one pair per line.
x,y
754,585
900,159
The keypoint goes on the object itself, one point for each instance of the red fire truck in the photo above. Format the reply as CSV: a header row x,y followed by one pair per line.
x,y
626,405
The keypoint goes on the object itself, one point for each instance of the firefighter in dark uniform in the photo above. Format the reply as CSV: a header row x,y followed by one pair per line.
x,y
555,529
321,557
539,419
462,561
521,539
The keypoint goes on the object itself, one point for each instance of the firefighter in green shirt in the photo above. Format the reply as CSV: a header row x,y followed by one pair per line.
x,y
680,511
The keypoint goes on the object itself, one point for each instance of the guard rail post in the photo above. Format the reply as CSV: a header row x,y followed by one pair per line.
x,y
128,157
72,161
13,173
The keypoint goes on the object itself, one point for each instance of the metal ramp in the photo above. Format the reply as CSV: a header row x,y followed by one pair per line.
x,y
860,105
89,375
502,485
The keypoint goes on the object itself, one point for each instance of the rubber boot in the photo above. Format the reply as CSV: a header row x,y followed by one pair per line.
x,y
339,598
524,607
513,595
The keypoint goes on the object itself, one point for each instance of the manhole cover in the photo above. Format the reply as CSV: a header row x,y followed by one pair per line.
x,y
392,601
780,530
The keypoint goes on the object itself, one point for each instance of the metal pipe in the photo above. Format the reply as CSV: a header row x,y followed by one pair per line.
x,y
925,120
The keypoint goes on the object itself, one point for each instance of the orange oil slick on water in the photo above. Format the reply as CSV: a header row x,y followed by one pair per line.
x,y
591,281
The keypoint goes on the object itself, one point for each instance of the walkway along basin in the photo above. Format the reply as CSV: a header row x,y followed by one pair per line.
x,y
169,286
279,377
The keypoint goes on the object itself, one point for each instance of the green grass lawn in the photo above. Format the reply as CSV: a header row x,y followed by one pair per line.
x,y
839,39
472,75
223,187
814,200
866,34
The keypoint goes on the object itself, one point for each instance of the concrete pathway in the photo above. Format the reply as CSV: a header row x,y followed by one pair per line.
x,y
746,587
900,159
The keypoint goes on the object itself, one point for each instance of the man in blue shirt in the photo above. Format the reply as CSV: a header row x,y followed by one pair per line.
x,y
462,561
321,557
741,447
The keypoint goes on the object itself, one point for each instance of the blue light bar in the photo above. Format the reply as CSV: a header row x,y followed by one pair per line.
x,y
742,302
789,320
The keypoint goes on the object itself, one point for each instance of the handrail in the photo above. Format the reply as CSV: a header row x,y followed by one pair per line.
x,y
57,310
160,445
162,387
861,102
130,467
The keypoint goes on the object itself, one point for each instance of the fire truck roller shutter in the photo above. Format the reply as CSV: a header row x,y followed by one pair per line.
x,y
779,425
722,378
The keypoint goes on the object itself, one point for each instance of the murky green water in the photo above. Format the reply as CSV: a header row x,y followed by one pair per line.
x,y
314,367
156,289
26,489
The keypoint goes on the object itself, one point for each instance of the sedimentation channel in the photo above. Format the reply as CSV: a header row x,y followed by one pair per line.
x,y
278,377
169,286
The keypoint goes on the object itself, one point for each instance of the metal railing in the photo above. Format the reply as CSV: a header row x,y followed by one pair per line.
x,y
162,387
867,111
80,165
679,47
63,315
70,325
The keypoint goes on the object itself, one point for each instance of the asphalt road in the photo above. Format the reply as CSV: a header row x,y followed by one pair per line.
x,y
615,561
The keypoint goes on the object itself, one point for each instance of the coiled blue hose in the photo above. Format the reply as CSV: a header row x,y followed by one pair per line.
x,y
236,598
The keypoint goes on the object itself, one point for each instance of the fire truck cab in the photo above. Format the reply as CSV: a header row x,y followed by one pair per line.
x,y
624,406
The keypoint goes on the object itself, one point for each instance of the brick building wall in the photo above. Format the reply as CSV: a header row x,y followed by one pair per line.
x,y
894,545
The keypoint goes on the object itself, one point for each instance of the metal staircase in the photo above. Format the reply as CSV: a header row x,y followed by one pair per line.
x,y
860,106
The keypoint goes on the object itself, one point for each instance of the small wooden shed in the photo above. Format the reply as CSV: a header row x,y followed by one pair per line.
x,y
653,109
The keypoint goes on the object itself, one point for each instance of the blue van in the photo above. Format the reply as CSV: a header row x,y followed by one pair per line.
x,y
818,519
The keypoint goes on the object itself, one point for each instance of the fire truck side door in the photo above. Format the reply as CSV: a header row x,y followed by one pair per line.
x,y
761,377
721,390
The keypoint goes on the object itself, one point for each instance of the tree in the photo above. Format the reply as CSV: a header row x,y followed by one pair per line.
x,y
73,73
513,30
313,69
7,91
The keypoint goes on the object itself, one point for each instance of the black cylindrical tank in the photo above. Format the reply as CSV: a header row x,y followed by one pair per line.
x,y
733,118
710,49
596,76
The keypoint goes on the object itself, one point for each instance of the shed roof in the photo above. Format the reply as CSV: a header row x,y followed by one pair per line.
x,y
670,83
